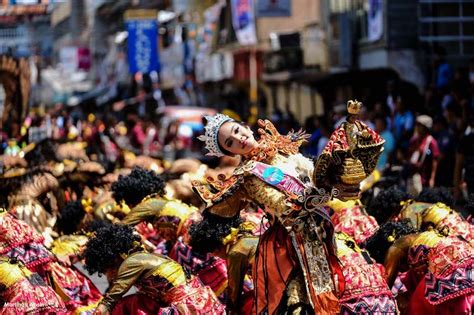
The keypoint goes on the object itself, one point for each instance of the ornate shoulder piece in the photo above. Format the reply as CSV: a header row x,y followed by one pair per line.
x,y
271,141
217,189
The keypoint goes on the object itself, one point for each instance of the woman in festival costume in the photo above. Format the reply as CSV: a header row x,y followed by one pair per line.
x,y
143,191
439,277
233,240
351,218
306,276
163,286
366,290
24,292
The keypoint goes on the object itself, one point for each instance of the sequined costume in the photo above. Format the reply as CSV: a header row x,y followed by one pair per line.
x,y
439,216
273,176
440,275
211,270
161,280
20,241
78,291
366,291
240,249
24,292
170,219
350,218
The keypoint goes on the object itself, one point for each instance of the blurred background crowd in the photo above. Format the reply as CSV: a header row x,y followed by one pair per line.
x,y
80,71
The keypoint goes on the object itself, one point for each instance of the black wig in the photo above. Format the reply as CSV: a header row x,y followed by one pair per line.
x,y
379,243
206,236
387,204
436,194
104,249
70,218
136,186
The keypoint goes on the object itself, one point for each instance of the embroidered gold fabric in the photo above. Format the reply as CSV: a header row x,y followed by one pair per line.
x,y
240,258
139,267
319,271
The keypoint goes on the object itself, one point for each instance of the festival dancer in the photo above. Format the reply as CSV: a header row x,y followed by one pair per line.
x,y
350,217
394,203
144,192
21,242
439,278
163,286
233,240
366,290
24,292
306,277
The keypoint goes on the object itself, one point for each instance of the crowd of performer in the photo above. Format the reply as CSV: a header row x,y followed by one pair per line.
x,y
267,231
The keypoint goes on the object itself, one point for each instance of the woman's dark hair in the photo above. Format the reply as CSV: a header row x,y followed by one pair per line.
x,y
206,236
436,194
104,249
379,243
136,186
387,204
70,217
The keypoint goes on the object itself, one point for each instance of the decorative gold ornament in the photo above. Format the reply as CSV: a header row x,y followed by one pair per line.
x,y
354,107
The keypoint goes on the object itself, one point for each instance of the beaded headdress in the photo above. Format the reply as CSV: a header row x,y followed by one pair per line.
x,y
211,131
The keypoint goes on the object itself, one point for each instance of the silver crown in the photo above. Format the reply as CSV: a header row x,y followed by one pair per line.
x,y
211,131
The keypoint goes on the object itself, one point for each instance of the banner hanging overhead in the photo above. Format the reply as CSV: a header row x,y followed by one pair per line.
x,y
243,20
375,20
142,41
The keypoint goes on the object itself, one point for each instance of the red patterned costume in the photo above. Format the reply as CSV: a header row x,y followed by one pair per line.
x,y
22,291
18,240
440,278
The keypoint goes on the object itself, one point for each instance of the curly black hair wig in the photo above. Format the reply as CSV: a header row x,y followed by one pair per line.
x,y
436,194
70,217
206,236
387,204
136,186
378,244
103,250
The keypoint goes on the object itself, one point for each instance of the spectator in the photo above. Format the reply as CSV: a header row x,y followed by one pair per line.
x,y
325,135
403,123
465,161
392,95
312,126
447,146
423,155
444,72
389,145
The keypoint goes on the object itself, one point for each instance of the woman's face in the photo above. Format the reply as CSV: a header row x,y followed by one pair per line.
x,y
236,139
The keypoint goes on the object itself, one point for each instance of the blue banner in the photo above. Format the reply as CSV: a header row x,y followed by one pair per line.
x,y
243,20
143,46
